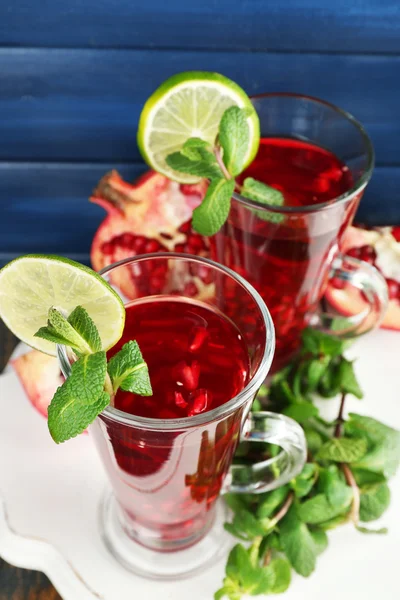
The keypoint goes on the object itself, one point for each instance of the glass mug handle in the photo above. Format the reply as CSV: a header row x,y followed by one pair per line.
x,y
268,474
365,278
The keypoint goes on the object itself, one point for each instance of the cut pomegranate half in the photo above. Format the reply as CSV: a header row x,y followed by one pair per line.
x,y
40,376
381,248
152,215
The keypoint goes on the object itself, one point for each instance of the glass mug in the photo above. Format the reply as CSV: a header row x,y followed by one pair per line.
x,y
290,253
163,519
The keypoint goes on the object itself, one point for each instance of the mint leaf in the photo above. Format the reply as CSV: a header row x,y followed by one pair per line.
x,y
364,477
383,454
87,378
229,589
263,194
129,371
348,380
80,399
320,539
343,450
318,510
246,524
201,163
84,325
251,579
193,148
269,502
318,343
298,543
315,370
375,499
304,482
234,138
59,330
278,575
314,439
212,213
49,334
335,489
301,412
382,531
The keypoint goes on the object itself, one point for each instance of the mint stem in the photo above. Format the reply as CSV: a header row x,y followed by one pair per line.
x,y
354,513
340,420
108,387
355,505
218,156
284,508
267,557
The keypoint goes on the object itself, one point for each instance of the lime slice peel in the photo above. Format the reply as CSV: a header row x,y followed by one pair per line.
x,y
30,285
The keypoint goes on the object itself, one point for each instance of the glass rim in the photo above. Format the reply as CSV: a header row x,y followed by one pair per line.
x,y
148,423
358,185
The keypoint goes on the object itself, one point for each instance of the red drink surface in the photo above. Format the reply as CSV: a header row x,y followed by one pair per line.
x,y
288,260
167,482
305,174
197,358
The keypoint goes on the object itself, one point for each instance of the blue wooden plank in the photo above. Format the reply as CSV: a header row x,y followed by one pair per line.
x,y
298,25
84,104
45,207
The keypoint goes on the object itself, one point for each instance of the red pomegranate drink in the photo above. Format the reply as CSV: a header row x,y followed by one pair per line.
x,y
286,258
197,358
197,361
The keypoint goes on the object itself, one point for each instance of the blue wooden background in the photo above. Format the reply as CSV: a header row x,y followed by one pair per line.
x,y
74,75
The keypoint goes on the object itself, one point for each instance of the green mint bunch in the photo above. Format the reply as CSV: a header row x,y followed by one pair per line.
x,y
345,479
92,383
220,164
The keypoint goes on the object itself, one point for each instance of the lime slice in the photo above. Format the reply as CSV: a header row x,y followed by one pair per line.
x,y
190,105
32,284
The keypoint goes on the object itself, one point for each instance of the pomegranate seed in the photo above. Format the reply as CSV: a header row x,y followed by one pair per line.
x,y
190,289
139,244
179,248
195,243
189,190
180,400
205,274
107,248
197,338
200,399
185,228
127,240
188,375
368,254
396,233
354,252
338,283
157,284
152,246
393,289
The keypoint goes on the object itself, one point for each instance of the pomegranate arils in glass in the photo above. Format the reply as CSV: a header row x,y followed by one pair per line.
x,y
200,400
166,330
393,289
188,374
198,336
180,400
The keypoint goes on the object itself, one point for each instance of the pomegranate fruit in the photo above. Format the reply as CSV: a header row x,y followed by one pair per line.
x,y
40,376
152,215
379,247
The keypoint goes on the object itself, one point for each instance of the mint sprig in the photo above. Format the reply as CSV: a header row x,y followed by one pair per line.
x,y
129,371
92,384
220,164
345,479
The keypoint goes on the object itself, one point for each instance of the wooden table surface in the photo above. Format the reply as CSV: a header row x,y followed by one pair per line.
x,y
20,584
